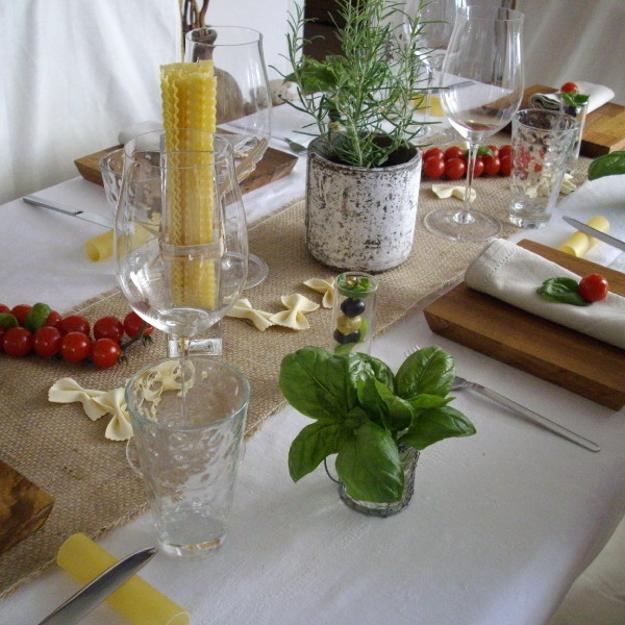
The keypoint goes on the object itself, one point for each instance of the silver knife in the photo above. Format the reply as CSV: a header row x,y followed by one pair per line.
x,y
88,597
593,232
93,218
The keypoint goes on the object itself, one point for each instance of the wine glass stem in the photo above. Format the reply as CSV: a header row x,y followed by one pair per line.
x,y
465,216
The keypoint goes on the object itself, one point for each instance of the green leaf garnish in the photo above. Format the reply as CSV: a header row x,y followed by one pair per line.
x,y
562,291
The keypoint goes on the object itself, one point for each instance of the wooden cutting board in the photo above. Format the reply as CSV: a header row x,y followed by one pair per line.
x,y
604,129
24,507
275,164
577,362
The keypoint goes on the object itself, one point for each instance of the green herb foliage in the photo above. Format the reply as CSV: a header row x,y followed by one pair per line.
x,y
562,291
607,165
574,99
363,413
363,99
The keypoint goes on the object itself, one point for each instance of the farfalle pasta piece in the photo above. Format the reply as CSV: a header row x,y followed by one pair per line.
x,y
119,427
326,287
68,391
295,316
243,309
443,192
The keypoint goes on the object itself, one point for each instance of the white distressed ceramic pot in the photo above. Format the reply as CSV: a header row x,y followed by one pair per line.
x,y
361,219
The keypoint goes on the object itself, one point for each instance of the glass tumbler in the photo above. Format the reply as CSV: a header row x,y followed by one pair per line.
x,y
354,312
542,142
188,418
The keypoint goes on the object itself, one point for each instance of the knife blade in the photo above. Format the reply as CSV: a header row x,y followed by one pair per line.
x,y
593,232
96,591
93,218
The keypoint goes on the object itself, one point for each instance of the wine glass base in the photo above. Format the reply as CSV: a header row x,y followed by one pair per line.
x,y
460,226
257,271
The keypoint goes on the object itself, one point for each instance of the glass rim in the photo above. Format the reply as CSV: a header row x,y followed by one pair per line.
x,y
361,274
224,144
480,12
105,160
561,115
257,36
134,414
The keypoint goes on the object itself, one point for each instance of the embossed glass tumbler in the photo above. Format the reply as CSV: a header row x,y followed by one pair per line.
x,y
188,419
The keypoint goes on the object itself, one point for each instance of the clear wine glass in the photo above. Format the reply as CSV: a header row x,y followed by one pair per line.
x,y
485,64
243,100
180,232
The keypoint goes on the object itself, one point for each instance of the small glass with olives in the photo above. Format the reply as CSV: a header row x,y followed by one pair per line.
x,y
354,312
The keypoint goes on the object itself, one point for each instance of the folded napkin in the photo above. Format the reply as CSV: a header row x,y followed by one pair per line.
x,y
598,96
512,274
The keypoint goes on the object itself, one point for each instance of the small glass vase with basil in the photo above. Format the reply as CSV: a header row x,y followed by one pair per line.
x,y
375,421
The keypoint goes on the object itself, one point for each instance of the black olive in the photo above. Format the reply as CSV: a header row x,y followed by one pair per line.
x,y
352,307
353,337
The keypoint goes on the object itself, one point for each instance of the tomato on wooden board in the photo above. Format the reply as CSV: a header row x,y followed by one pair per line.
x,y
108,328
20,311
569,87
505,165
593,287
47,341
491,165
105,353
17,342
54,319
133,323
75,346
454,152
75,323
455,168
430,152
434,167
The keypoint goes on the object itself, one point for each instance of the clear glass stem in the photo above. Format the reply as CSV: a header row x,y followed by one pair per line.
x,y
184,344
464,216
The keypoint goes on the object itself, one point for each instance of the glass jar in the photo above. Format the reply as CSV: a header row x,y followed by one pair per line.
x,y
409,458
354,312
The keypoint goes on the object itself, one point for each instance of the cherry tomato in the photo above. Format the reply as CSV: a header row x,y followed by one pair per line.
x,y
133,323
74,323
455,168
569,87
505,150
4,308
47,341
437,152
478,168
434,167
505,165
593,287
105,353
108,328
54,319
491,165
75,346
17,342
2,331
20,311
494,150
454,152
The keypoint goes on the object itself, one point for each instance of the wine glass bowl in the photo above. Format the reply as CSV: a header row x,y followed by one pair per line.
x,y
484,68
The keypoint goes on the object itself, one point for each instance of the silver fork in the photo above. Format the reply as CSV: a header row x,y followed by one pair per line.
x,y
520,410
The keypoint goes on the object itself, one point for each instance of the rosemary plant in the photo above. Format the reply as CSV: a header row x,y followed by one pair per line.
x,y
363,100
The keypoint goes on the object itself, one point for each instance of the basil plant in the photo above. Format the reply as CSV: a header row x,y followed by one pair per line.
x,y
363,413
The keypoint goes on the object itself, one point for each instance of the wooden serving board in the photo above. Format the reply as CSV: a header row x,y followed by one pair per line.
x,y
274,165
604,129
577,362
24,507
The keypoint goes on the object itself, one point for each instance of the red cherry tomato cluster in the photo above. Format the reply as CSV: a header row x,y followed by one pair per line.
x,y
452,163
25,329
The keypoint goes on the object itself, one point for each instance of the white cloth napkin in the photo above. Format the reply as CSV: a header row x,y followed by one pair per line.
x,y
512,274
599,94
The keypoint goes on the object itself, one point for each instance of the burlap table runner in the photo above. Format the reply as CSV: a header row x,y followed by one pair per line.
x,y
60,449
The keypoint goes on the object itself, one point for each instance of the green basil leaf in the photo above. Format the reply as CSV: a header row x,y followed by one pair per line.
x,y
319,384
368,464
370,400
314,76
426,401
36,316
562,291
574,99
314,443
435,425
399,412
8,321
429,370
381,371
607,165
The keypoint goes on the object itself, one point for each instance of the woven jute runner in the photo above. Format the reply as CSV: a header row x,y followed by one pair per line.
x,y
60,449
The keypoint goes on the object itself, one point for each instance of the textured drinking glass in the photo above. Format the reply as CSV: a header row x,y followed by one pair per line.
x,y
354,312
542,142
189,454
112,168
579,113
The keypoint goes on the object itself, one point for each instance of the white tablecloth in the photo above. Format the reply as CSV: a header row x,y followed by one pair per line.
x,y
500,525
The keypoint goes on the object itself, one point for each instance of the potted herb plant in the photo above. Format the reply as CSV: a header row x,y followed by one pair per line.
x,y
364,168
376,421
